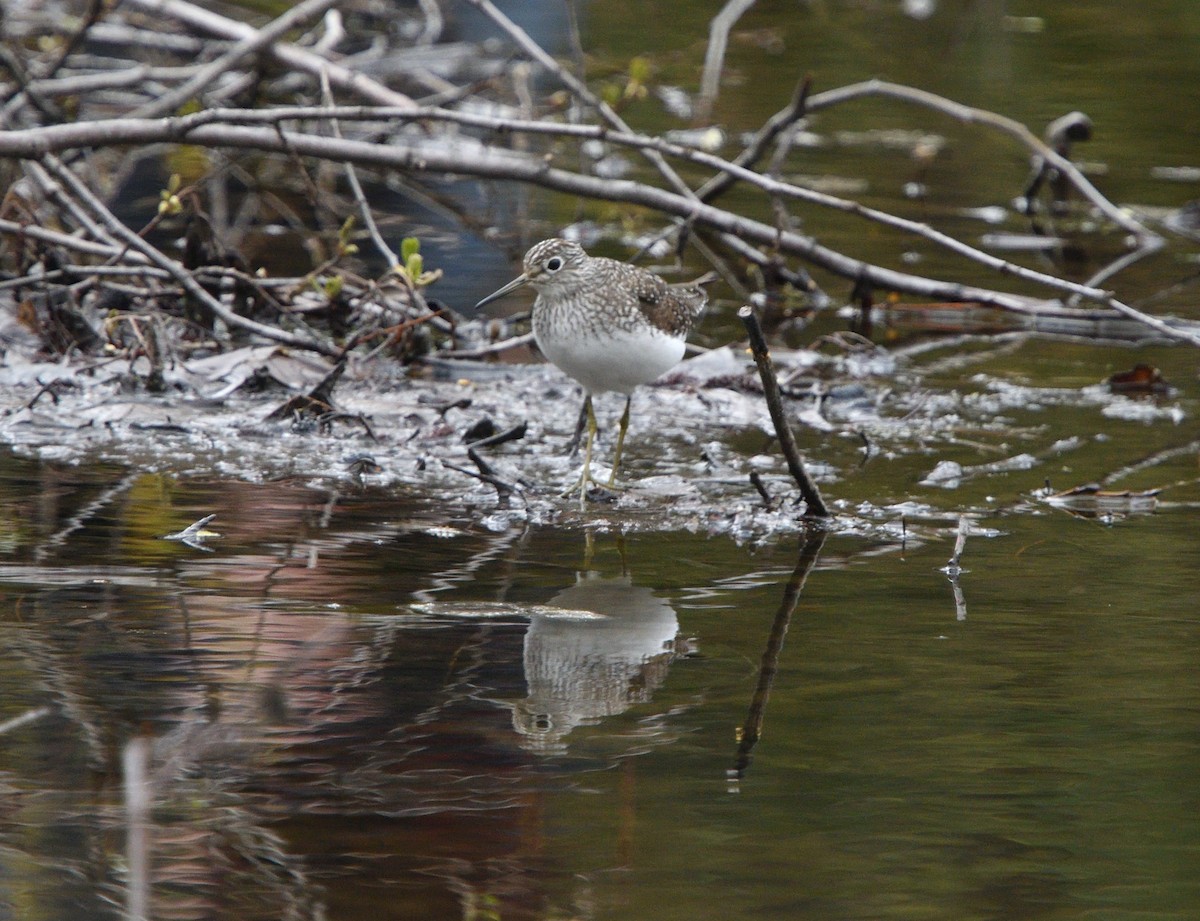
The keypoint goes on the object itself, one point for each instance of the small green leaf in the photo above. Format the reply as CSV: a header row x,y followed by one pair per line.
x,y
639,70
414,265
409,247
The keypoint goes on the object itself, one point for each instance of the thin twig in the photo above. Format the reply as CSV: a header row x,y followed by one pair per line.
x,y
177,271
485,351
291,56
714,57
485,474
756,481
516,433
787,441
356,188
67,241
778,123
577,87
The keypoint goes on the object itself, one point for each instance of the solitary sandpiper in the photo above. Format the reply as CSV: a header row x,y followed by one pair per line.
x,y
609,325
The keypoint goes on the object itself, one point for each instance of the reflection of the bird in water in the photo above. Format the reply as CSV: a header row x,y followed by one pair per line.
x,y
599,647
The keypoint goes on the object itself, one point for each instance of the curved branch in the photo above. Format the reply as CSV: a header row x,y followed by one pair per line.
x,y
974,116
499,164
714,57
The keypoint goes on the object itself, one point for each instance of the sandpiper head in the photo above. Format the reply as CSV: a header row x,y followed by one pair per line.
x,y
550,262
553,260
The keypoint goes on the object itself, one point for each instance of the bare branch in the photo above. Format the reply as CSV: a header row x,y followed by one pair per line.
x,y
787,441
1009,126
356,188
177,271
577,87
291,56
260,39
714,57
501,164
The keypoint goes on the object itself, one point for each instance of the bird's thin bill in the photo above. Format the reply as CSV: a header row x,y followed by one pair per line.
x,y
511,286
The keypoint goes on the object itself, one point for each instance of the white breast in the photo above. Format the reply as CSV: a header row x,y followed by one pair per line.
x,y
617,360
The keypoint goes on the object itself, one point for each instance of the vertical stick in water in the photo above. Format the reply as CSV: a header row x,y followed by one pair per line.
x,y
953,566
135,762
787,441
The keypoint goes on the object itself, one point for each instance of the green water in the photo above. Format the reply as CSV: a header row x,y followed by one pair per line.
x,y
333,690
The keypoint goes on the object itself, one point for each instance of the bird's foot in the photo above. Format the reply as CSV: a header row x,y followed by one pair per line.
x,y
612,483
588,487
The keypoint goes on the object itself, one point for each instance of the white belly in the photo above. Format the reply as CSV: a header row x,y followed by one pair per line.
x,y
617,361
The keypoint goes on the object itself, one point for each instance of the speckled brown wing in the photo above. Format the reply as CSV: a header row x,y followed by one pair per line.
x,y
672,308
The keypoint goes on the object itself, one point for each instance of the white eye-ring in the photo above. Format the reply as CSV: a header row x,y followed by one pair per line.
x,y
553,264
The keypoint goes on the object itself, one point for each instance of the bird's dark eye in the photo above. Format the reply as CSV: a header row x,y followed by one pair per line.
x,y
553,264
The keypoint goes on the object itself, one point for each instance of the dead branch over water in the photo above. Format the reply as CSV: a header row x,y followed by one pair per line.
x,y
73,126
787,441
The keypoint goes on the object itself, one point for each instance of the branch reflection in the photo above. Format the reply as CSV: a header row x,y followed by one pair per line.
x,y
751,729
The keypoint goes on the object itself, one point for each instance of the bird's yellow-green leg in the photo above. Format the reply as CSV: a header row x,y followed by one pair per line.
x,y
621,430
585,476
580,424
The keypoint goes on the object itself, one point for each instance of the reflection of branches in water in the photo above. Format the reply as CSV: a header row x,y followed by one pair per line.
x,y
60,676
960,600
953,568
193,838
1154,460
29,716
751,729
461,682
218,783
80,518
213,850
455,576
135,762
